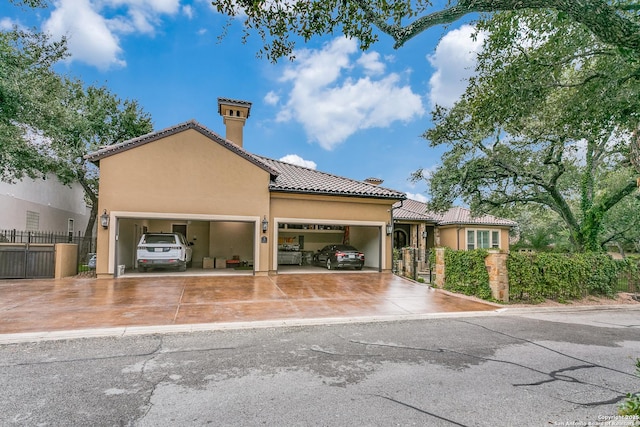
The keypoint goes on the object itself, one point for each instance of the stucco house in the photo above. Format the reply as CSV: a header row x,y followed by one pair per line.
x,y
232,204
43,205
416,227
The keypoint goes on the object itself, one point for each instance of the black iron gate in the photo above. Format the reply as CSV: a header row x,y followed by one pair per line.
x,y
27,261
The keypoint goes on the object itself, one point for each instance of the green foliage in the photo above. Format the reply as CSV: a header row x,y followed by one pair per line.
x,y
466,273
30,106
562,277
49,122
631,406
545,122
283,23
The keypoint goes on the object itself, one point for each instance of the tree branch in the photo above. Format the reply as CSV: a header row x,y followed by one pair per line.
x,y
601,18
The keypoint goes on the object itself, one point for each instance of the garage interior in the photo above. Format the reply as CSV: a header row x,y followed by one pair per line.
x,y
227,247
298,242
216,245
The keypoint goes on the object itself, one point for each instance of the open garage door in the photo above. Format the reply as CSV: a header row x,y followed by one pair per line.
x,y
299,244
218,246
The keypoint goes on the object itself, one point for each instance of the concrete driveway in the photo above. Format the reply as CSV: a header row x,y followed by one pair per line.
x,y
154,302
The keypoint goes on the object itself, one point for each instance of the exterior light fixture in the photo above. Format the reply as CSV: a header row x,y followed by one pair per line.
x,y
389,229
265,224
104,219
424,234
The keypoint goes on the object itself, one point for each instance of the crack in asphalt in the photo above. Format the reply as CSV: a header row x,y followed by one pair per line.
x,y
549,349
146,403
319,349
556,375
116,356
619,325
431,414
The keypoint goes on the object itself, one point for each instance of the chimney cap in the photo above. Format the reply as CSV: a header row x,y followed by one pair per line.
x,y
234,103
374,181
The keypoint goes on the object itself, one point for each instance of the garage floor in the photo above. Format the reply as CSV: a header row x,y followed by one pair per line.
x,y
78,304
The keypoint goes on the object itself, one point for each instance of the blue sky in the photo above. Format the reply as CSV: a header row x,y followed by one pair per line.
x,y
335,108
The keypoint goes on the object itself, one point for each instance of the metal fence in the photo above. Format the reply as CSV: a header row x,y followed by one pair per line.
x,y
86,244
27,261
629,281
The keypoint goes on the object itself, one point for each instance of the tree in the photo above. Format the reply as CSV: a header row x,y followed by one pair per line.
x,y
31,3
48,122
547,121
29,99
94,118
278,22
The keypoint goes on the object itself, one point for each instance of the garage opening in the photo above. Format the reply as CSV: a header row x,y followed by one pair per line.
x,y
317,246
217,247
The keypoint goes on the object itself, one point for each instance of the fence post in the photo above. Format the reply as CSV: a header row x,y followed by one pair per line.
x,y
496,263
440,277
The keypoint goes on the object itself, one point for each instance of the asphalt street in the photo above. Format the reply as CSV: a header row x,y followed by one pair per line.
x,y
516,368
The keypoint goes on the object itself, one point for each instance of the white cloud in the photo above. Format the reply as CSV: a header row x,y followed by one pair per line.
x,y
89,38
332,98
271,98
188,11
418,197
294,159
93,28
454,61
7,24
371,63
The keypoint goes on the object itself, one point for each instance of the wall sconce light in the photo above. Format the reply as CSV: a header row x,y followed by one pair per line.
x,y
389,229
104,219
424,234
265,224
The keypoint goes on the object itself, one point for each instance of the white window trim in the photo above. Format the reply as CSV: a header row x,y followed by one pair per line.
x,y
475,235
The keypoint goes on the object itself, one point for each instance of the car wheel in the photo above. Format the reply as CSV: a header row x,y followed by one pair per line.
x,y
141,269
359,268
328,263
182,267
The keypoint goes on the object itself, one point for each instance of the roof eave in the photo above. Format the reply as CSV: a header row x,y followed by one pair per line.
x,y
329,193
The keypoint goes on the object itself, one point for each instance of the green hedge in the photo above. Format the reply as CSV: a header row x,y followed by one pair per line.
x,y
562,277
466,273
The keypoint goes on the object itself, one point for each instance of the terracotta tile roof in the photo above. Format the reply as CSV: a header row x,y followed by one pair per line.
x,y
154,136
285,177
298,179
412,210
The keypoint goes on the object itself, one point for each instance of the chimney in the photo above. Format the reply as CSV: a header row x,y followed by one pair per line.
x,y
374,181
234,113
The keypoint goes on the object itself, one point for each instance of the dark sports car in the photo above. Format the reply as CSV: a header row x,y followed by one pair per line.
x,y
338,256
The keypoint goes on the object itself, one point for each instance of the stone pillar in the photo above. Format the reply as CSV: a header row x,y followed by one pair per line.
x,y
496,263
439,268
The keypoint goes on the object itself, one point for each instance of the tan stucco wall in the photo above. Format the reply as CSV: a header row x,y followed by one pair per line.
x,y
455,237
66,263
185,175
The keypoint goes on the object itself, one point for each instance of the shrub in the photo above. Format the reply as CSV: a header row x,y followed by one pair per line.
x,y
631,406
562,277
465,273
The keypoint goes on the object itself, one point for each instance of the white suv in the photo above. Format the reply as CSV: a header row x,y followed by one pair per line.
x,y
163,250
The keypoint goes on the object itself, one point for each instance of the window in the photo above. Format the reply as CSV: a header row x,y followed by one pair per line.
x,y
483,239
495,239
33,221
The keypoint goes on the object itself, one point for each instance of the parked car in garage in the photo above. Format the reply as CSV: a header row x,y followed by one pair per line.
x,y
163,250
338,256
